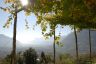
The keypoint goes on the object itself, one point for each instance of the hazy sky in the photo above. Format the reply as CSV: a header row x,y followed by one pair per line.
x,y
24,35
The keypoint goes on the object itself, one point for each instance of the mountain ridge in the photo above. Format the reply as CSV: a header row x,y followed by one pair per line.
x,y
68,41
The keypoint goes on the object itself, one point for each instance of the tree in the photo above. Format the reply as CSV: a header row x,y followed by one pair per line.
x,y
54,46
67,14
13,8
43,58
59,12
90,47
7,59
20,59
30,56
75,33
14,38
79,13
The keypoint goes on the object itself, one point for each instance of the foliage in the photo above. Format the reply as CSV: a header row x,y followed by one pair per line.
x,y
7,59
27,57
60,59
43,58
58,12
13,6
20,59
51,13
30,56
66,59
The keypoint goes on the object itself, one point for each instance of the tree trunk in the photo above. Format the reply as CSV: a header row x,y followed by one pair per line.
x,y
77,57
90,45
14,40
54,48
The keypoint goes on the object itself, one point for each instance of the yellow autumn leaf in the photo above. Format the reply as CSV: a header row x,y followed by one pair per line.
x,y
6,10
9,1
27,13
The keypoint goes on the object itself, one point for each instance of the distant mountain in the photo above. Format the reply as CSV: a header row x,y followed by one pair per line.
x,y
69,43
83,42
47,45
6,45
